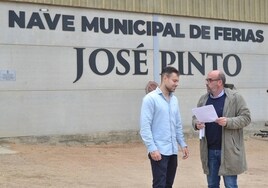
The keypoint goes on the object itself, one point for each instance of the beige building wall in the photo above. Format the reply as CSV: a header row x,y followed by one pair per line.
x,y
43,99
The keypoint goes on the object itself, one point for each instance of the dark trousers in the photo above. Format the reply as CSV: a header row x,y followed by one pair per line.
x,y
164,171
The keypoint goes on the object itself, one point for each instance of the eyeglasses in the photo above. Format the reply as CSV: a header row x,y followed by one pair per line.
x,y
209,80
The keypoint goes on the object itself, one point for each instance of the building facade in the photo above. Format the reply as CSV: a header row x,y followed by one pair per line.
x,y
81,67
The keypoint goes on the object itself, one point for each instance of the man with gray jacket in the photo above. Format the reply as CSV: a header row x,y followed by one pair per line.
x,y
222,149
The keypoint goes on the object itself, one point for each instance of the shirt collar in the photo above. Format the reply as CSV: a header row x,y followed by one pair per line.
x,y
159,91
220,95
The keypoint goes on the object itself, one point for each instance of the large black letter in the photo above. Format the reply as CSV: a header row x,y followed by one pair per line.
x,y
181,63
79,63
93,63
123,62
52,24
214,60
192,60
238,65
164,58
260,37
138,61
13,17
67,22
93,25
35,20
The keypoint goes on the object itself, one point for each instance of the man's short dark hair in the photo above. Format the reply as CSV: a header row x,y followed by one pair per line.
x,y
169,70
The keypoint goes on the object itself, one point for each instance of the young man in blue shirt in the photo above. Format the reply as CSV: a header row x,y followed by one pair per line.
x,y
161,129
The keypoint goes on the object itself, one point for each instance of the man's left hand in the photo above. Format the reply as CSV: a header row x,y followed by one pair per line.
x,y
185,152
222,121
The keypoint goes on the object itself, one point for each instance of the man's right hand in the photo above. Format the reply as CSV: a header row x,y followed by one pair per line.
x,y
155,155
199,125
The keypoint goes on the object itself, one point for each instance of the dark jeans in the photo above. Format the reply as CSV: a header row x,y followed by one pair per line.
x,y
164,171
214,162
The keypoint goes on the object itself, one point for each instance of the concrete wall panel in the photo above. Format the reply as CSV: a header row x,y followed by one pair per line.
x,y
38,113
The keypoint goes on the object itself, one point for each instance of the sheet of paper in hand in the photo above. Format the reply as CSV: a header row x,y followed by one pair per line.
x,y
205,114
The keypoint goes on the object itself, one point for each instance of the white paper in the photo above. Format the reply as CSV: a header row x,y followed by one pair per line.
x,y
201,133
205,114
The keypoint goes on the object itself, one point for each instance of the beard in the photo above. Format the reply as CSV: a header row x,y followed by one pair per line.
x,y
171,89
208,90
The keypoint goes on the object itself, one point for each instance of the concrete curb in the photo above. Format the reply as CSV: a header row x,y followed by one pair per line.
x,y
102,138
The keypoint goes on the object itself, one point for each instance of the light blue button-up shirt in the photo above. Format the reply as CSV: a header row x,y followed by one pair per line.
x,y
160,123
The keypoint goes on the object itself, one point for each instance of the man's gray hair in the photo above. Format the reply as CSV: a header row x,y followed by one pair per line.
x,y
222,77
